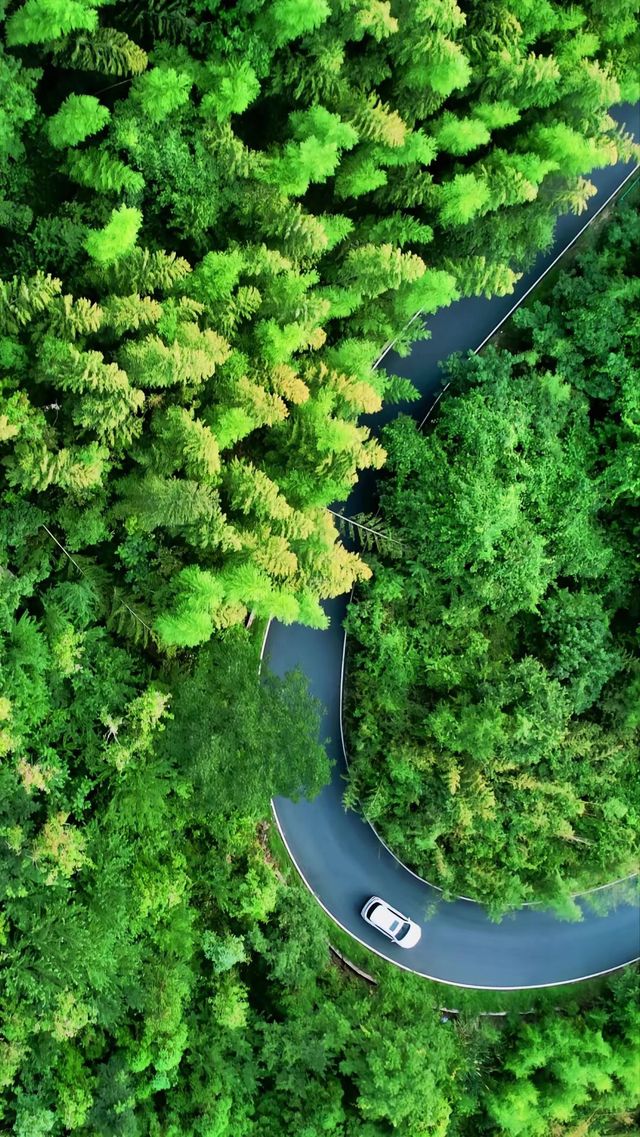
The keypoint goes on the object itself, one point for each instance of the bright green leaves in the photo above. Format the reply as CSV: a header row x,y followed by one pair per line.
x,y
21,299
117,238
569,149
181,434
285,20
204,601
78,118
198,596
462,198
181,505
496,114
101,397
374,18
40,20
560,1068
305,232
477,276
231,88
251,491
314,155
374,269
276,344
18,103
460,135
436,289
77,470
523,79
191,357
376,122
145,271
250,586
515,178
337,228
448,67
107,51
183,441
400,230
216,276
160,91
230,425
318,122
99,170
417,148
128,313
359,174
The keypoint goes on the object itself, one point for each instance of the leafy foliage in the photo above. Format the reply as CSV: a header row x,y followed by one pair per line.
x,y
77,118
294,252
215,216
496,663
117,238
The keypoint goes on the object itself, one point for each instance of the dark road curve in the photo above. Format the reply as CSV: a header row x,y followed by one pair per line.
x,y
338,855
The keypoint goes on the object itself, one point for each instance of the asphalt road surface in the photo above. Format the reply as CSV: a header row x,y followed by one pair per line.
x,y
339,856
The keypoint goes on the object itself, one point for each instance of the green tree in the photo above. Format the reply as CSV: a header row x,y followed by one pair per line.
x,y
37,21
160,91
567,1072
117,238
267,743
78,117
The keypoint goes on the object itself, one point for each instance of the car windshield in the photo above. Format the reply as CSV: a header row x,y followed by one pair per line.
x,y
405,928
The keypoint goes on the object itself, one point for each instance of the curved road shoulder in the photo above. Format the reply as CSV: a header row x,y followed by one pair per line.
x,y
339,856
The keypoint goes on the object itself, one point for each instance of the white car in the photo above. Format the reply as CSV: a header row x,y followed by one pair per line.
x,y
396,927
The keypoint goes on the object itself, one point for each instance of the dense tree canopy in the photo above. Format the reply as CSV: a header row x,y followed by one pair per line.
x,y
160,975
130,864
494,670
216,215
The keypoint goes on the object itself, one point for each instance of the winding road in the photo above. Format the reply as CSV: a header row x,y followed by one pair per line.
x,y
339,856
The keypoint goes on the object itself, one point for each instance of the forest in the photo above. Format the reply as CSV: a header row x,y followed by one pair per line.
x,y
494,669
215,216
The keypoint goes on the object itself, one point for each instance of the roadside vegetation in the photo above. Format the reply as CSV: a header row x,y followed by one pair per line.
x,y
551,1063
214,216
493,666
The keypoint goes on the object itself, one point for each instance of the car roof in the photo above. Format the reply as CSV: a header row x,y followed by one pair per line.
x,y
384,915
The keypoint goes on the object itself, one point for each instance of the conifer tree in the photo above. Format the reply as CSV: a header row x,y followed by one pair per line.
x,y
117,238
105,400
98,170
77,118
286,20
37,21
106,50
161,90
